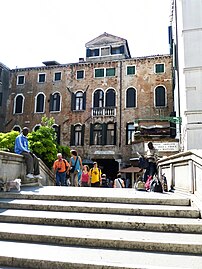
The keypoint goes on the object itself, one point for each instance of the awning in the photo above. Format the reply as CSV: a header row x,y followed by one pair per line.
x,y
130,169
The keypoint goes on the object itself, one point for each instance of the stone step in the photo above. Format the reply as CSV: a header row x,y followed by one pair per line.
x,y
103,238
114,221
43,256
101,195
106,208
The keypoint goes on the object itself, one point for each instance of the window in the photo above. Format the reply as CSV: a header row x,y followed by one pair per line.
x,y
57,132
39,103
131,97
130,133
102,72
131,70
110,72
77,132
20,80
105,51
98,100
117,50
97,134
1,98
99,73
92,52
110,134
36,127
55,102
110,98
77,135
17,128
18,104
80,74
79,101
41,78
159,68
160,97
57,76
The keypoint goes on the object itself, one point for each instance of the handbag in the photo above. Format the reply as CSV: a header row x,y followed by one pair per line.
x,y
72,169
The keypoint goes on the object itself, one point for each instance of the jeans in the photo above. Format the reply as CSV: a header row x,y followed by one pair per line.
x,y
60,178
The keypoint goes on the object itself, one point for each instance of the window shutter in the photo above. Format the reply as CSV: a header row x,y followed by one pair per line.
x,y
58,135
122,49
104,134
72,142
127,134
50,102
82,134
72,101
91,134
58,102
88,53
172,126
84,101
115,125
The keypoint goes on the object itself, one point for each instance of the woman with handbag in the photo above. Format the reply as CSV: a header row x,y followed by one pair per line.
x,y
75,168
152,158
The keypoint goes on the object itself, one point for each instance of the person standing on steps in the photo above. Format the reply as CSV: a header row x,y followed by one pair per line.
x,y
31,160
152,157
95,174
61,167
75,167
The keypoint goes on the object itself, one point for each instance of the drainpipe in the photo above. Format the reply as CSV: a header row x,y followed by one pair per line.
x,y
120,112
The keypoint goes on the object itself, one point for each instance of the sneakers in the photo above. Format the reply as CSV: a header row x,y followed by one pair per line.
x,y
38,176
29,176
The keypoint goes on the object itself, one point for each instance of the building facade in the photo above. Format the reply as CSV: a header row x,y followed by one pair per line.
x,y
186,41
107,106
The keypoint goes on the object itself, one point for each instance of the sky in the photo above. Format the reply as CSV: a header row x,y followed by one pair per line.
x,y
33,31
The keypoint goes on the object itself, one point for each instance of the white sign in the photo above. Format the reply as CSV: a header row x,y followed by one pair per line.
x,y
105,152
164,146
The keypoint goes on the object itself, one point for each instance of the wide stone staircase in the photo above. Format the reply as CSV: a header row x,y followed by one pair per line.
x,y
67,227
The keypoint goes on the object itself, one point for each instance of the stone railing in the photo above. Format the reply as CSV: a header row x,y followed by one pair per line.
x,y
184,171
12,166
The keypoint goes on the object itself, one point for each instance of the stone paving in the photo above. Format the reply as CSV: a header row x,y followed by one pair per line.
x,y
67,227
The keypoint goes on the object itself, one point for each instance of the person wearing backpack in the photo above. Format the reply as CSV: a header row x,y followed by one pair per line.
x,y
61,167
95,175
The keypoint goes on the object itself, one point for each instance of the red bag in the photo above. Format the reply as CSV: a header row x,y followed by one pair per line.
x,y
148,183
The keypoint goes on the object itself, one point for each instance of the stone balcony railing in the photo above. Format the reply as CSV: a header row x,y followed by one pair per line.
x,y
104,111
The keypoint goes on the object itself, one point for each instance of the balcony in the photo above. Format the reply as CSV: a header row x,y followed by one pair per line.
x,y
104,111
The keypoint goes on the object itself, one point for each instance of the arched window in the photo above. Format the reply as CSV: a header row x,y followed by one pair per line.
x,y
77,135
98,99
160,96
55,102
39,103
110,98
18,104
36,127
131,97
17,128
79,101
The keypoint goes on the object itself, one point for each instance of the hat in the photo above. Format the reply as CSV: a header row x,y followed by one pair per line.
x,y
94,162
103,175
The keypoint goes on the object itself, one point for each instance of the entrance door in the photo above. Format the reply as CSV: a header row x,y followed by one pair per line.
x,y
109,167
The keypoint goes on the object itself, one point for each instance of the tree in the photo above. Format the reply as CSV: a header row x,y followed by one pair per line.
x,y
7,141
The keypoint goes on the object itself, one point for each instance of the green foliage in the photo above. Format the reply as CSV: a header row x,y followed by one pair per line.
x,y
7,141
42,143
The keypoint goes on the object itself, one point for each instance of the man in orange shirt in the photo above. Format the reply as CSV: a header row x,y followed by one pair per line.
x,y
61,167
